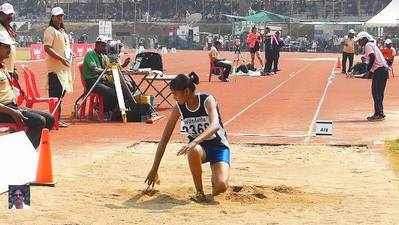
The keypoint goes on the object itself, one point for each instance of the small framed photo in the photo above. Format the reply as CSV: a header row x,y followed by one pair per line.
x,y
19,196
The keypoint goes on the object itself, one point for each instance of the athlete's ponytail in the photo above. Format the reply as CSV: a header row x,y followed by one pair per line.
x,y
182,82
194,78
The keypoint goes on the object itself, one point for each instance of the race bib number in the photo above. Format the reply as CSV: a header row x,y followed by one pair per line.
x,y
194,126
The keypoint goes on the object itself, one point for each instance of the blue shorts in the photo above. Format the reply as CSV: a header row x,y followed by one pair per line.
x,y
215,154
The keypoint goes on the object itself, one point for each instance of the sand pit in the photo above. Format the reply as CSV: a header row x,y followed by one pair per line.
x,y
269,185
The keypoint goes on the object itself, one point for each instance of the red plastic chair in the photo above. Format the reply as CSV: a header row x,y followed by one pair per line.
x,y
94,98
33,96
21,97
10,127
214,70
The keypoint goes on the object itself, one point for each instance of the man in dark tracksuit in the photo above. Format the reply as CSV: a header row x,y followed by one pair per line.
x,y
268,53
277,44
379,69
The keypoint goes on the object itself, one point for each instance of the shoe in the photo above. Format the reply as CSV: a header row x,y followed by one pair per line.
x,y
375,118
63,124
221,78
265,74
199,198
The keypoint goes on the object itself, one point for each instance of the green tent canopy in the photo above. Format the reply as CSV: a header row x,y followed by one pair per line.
x,y
262,17
266,17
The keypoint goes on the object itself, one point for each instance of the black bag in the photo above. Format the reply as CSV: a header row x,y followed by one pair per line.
x,y
250,67
242,68
136,113
139,113
151,60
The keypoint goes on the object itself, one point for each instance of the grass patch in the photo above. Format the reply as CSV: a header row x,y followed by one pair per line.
x,y
23,55
392,149
392,146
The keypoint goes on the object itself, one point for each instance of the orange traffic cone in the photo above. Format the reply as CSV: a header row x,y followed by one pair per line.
x,y
338,64
44,174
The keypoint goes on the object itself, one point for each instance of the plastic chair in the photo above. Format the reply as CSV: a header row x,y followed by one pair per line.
x,y
33,96
10,127
214,70
94,98
21,97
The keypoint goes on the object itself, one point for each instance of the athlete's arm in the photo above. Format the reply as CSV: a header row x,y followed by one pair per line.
x,y
371,61
211,108
167,133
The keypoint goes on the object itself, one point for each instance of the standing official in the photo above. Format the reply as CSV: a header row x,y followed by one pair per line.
x,y
379,69
253,40
59,57
348,50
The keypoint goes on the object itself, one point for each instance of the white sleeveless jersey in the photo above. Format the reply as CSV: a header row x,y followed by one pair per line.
x,y
195,122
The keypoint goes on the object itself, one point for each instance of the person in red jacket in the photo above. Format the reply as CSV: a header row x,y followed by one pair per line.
x,y
388,52
253,40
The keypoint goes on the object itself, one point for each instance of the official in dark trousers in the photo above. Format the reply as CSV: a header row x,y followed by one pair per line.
x,y
379,69
272,50
268,53
280,43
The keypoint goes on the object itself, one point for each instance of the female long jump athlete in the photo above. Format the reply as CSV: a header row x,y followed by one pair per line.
x,y
200,120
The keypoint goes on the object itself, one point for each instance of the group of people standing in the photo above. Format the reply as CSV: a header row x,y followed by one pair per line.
x,y
272,45
60,80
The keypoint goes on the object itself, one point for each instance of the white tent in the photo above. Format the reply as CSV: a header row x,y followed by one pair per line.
x,y
388,17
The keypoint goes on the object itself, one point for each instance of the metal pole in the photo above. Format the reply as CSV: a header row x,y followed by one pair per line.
x,y
333,9
177,9
220,8
122,11
134,24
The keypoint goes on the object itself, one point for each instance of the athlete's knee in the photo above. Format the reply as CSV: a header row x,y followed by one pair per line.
x,y
220,186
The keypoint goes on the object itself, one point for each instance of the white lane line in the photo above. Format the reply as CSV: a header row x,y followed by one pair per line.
x,y
291,76
267,135
316,114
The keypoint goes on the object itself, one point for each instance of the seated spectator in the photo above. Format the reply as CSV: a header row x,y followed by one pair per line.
x,y
214,56
94,64
33,120
388,52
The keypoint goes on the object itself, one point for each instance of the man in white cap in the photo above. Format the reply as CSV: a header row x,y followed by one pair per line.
x,y
388,52
6,16
379,69
348,50
94,64
59,57
34,120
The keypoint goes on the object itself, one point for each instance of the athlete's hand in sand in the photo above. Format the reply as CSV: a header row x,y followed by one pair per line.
x,y
151,179
186,148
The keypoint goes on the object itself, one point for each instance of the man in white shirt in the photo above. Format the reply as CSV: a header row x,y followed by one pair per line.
x,y
18,199
348,50
379,68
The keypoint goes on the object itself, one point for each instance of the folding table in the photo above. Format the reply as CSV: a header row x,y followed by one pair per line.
x,y
151,77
